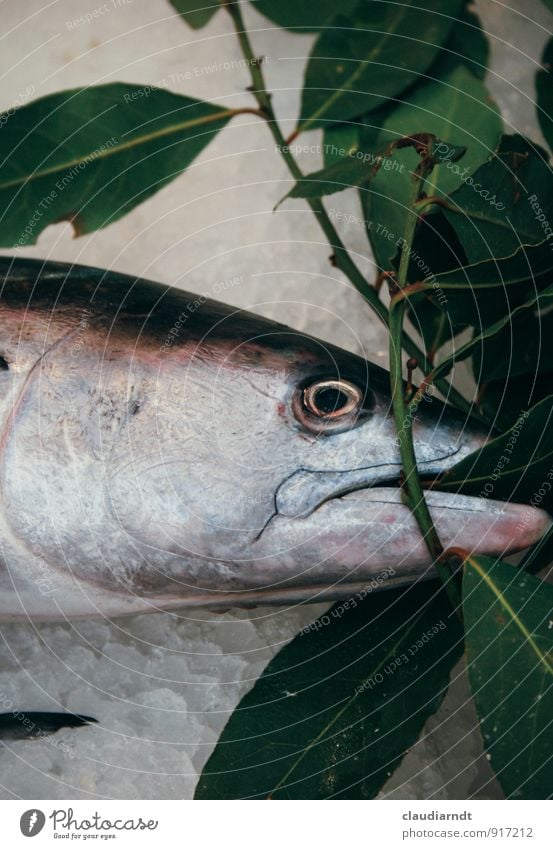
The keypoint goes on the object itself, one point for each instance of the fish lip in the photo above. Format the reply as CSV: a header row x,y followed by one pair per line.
x,y
296,498
427,478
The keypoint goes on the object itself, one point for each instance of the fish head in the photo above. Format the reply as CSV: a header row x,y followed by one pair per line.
x,y
273,472
162,450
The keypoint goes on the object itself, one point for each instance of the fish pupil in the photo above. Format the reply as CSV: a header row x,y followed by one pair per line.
x,y
329,400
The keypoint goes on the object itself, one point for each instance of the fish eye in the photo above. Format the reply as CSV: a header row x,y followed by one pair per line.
x,y
331,404
332,398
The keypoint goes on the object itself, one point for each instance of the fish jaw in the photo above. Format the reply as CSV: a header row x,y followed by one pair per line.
x,y
354,537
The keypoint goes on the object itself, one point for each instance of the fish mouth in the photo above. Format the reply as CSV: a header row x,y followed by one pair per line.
x,y
348,526
306,490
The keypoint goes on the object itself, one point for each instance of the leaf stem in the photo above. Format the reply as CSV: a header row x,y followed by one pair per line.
x,y
341,257
413,492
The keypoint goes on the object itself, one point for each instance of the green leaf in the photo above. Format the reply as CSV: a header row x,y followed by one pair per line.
x,y
467,45
526,262
544,94
479,295
338,707
523,346
354,168
518,347
343,174
305,15
539,301
350,168
459,112
509,642
513,466
196,13
482,293
90,155
373,54
500,401
507,202
386,205
340,140
432,323
443,153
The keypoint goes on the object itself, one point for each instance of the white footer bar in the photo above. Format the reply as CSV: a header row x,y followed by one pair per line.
x,y
252,825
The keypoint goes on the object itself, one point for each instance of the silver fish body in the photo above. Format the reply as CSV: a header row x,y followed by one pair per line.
x,y
160,450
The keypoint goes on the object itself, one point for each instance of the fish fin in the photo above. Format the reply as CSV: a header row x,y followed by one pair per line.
x,y
30,724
